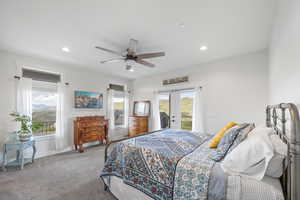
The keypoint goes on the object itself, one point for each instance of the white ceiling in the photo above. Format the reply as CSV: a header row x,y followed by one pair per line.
x,y
42,28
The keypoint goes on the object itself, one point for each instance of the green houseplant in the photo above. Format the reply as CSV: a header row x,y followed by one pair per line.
x,y
27,126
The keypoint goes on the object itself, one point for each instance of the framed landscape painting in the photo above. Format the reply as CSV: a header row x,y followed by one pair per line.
x,y
91,100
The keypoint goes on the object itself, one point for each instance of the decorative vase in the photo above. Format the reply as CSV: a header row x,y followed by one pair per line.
x,y
24,136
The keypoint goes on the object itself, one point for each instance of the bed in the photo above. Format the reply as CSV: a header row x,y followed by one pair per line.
x,y
172,164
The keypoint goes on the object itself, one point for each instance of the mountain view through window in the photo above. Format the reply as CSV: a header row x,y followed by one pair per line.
x,y
44,100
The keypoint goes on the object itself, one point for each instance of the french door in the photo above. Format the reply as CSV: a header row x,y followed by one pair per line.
x,y
175,120
176,109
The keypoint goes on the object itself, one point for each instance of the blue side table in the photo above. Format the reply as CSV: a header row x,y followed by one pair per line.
x,y
13,143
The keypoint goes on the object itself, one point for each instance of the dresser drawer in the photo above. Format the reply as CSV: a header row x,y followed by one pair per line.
x,y
134,122
134,129
91,130
143,123
91,134
143,129
90,124
89,138
137,125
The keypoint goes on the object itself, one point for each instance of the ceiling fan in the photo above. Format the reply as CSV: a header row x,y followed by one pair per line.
x,y
131,56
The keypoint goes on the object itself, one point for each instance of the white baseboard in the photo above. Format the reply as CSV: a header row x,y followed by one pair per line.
x,y
40,155
54,152
50,153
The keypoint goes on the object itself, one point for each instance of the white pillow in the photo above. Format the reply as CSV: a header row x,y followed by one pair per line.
x,y
252,156
275,167
261,130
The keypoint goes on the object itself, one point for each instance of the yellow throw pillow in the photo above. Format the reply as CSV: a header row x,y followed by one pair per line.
x,y
215,141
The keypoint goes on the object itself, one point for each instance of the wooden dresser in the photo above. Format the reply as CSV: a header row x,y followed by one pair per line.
x,y
90,129
137,125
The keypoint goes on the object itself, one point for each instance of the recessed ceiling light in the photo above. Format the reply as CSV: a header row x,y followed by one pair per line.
x,y
181,25
203,48
65,49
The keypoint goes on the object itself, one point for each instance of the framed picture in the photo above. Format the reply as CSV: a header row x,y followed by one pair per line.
x,y
92,100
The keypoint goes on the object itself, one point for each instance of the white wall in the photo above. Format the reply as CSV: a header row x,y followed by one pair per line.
x,y
234,89
285,54
79,79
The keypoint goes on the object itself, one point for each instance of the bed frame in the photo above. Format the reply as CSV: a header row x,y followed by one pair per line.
x,y
277,116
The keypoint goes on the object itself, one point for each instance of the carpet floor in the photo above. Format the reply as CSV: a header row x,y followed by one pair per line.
x,y
67,176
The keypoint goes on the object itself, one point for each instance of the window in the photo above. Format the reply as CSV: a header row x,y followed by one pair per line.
x,y
119,109
164,109
186,109
44,102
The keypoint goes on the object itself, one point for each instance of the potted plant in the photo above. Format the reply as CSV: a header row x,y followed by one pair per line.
x,y
27,127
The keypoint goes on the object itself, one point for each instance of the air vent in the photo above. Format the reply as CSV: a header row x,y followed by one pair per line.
x,y
116,87
175,80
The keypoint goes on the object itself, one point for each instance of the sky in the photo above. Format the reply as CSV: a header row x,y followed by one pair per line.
x,y
44,97
187,94
91,94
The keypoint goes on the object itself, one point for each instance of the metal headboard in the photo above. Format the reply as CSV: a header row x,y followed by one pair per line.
x,y
278,117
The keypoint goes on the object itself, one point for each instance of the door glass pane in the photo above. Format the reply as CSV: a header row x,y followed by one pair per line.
x,y
186,109
164,109
118,101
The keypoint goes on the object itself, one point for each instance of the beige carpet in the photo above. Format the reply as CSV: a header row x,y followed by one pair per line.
x,y
67,176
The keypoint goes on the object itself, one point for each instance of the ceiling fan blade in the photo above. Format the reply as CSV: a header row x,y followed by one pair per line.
x,y
132,46
113,60
108,50
150,55
143,62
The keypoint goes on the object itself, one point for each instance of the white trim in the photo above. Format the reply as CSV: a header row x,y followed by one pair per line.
x,y
51,153
39,70
179,90
41,155
44,137
20,64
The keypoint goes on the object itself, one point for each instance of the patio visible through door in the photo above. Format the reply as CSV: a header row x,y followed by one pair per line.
x,y
176,109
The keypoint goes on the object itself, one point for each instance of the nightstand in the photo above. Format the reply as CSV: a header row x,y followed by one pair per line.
x,y
14,144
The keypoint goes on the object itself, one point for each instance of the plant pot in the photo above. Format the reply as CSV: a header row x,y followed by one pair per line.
x,y
23,136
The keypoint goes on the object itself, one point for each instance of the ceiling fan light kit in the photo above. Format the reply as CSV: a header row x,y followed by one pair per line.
x,y
129,68
131,56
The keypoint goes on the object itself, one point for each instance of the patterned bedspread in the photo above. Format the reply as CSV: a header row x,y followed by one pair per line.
x,y
163,164
193,174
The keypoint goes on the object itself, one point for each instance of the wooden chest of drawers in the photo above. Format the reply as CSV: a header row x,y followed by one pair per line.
x,y
137,125
90,129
